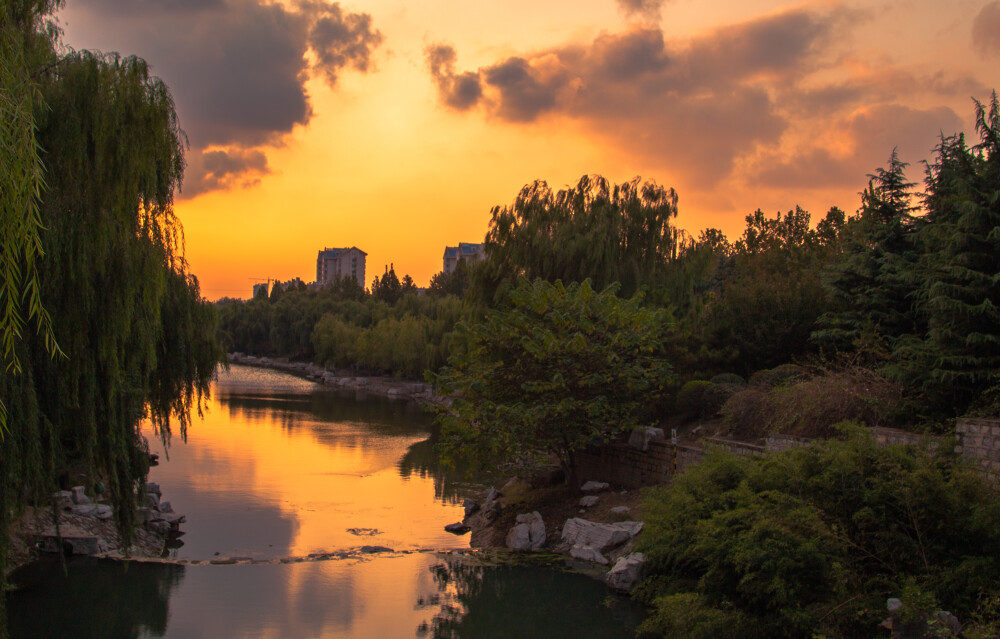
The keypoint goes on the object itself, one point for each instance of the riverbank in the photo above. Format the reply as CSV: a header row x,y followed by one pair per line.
x,y
89,529
346,379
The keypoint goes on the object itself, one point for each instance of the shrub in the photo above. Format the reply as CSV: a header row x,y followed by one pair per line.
x,y
811,407
729,378
778,376
812,539
689,398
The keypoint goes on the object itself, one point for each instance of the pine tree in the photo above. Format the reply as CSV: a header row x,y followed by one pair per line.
x,y
960,355
872,283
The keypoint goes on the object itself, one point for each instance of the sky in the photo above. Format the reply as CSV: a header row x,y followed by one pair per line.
x,y
396,126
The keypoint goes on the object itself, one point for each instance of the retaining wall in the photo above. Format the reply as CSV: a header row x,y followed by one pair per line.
x,y
977,440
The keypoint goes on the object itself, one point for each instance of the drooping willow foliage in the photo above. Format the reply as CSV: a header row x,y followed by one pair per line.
x,y
20,184
138,340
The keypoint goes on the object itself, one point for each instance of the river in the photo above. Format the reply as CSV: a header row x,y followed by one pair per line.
x,y
283,474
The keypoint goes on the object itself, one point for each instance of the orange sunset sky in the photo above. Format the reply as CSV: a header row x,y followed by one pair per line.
x,y
395,126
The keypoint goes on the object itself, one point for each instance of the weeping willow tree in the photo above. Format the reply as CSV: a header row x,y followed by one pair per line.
x,y
139,341
21,182
607,233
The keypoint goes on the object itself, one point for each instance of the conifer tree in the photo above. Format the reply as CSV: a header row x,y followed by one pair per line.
x,y
872,283
960,356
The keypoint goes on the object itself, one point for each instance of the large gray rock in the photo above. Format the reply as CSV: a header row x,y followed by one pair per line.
x,y
588,500
80,495
586,553
62,499
594,486
641,437
602,537
153,488
87,510
528,533
103,511
626,572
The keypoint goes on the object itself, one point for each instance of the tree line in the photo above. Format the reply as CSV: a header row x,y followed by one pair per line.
x,y
390,328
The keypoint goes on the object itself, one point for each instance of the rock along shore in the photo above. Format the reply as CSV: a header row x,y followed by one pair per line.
x,y
87,527
385,386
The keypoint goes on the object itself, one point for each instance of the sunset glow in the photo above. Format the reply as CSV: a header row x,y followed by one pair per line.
x,y
396,126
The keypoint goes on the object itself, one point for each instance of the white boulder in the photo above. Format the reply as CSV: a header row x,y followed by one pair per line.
x,y
528,533
626,572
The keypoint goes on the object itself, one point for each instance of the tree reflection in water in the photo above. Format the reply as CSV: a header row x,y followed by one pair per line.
x,y
98,599
528,600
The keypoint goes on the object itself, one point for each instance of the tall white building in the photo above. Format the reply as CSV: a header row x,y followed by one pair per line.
x,y
333,263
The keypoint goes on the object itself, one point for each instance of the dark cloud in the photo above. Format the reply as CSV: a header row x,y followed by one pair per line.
x,y
526,91
340,39
691,106
458,91
648,9
986,30
237,68
223,169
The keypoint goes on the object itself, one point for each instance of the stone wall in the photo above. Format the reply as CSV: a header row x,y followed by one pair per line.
x,y
623,465
620,464
979,442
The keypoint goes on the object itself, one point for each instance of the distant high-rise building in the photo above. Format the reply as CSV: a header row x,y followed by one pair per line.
x,y
463,252
333,263
259,289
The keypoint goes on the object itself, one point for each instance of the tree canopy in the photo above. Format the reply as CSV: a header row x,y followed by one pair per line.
x,y
563,368
607,233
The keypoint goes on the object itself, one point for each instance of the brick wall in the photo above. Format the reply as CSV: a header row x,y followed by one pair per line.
x,y
979,442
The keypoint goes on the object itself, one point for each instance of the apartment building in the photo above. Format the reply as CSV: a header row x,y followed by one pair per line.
x,y
335,263
463,252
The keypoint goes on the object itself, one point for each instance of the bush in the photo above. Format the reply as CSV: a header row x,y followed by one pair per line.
x,y
729,378
812,539
810,408
778,376
689,402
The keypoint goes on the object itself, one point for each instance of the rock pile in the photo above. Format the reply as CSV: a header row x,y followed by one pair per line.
x,y
592,541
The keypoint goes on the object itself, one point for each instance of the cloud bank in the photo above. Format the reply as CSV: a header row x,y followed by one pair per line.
x,y
721,106
237,70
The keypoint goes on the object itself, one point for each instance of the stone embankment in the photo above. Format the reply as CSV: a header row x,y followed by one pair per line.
x,y
598,543
340,378
86,527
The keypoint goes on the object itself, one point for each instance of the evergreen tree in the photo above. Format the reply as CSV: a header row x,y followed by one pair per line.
x,y
960,356
872,284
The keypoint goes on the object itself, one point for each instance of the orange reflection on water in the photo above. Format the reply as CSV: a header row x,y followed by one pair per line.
x,y
311,479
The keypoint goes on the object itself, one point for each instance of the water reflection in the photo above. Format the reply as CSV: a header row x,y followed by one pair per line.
x,y
396,596
304,471
280,466
94,599
524,601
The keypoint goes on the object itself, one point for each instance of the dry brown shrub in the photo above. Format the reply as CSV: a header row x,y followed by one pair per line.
x,y
811,407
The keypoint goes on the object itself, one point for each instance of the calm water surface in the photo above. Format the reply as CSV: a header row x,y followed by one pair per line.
x,y
281,468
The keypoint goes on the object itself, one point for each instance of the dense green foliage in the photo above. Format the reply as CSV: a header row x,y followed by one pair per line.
x,y
138,339
602,232
563,368
391,330
811,542
21,183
